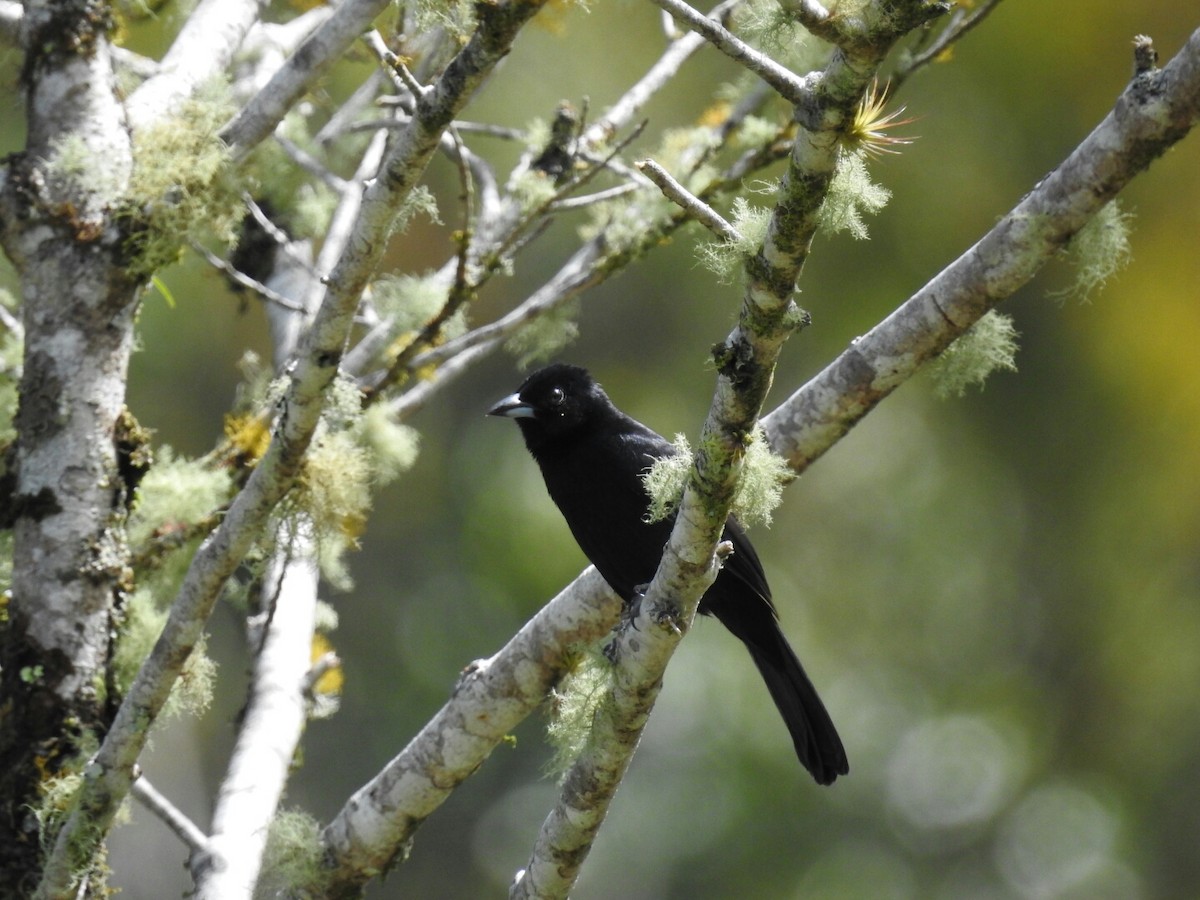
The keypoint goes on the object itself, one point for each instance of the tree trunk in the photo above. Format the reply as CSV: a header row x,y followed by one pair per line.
x,y
77,452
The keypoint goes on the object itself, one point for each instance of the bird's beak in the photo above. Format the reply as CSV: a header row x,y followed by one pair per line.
x,y
512,407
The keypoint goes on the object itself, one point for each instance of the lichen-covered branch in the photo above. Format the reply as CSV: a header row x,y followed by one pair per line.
x,y
78,453
745,363
492,696
1155,111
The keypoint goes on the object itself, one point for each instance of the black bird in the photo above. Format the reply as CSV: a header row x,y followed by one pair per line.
x,y
592,456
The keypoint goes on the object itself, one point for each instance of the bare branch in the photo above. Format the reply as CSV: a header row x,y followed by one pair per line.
x,y
270,729
404,80
170,815
631,103
577,274
312,165
341,225
789,85
245,280
693,205
961,21
325,46
612,193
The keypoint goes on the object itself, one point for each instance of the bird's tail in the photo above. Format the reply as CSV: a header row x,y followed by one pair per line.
x,y
813,733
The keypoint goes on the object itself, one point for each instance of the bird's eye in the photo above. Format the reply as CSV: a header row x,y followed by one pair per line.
x,y
556,397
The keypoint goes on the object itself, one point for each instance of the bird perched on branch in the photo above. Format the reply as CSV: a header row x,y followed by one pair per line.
x,y
592,457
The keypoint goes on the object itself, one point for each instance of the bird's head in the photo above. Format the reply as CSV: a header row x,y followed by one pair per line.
x,y
554,403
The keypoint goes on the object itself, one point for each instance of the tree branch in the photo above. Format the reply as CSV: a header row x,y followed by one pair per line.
x,y
492,696
1154,112
689,202
270,729
961,22
202,50
788,84
634,100
325,46
169,814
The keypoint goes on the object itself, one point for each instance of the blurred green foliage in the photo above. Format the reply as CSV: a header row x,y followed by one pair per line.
x,y
998,595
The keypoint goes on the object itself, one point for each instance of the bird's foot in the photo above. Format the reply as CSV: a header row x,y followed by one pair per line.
x,y
633,607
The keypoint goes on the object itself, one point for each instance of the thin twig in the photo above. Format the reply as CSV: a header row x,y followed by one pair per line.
x,y
347,114
612,193
312,165
577,180
461,289
695,207
960,23
11,322
480,128
245,280
278,235
170,815
658,76
394,66
789,85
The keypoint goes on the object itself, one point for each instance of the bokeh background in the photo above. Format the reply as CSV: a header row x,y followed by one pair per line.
x,y
998,596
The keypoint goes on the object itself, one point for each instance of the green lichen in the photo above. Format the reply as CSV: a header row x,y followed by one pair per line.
x,y
391,446
1099,250
412,301
988,345
182,186
176,492
726,259
143,620
419,200
293,861
545,335
351,452
573,707
59,789
666,480
759,490
852,195
532,189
